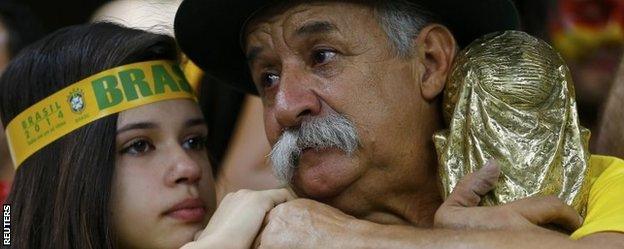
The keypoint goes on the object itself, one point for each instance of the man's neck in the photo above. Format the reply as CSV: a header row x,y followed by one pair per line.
x,y
416,208
404,201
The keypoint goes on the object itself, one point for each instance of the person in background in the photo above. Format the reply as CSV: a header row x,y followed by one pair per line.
x,y
590,36
610,136
246,165
149,15
18,28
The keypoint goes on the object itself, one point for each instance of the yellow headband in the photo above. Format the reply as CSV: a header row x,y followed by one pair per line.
x,y
108,92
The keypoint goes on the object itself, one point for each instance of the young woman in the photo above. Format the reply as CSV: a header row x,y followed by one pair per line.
x,y
138,178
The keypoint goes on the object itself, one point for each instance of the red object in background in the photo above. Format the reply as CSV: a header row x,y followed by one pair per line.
x,y
579,27
5,188
591,13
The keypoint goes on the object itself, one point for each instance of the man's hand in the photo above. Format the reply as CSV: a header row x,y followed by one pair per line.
x,y
460,210
303,223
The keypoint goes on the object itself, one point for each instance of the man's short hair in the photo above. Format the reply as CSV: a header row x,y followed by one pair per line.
x,y
402,21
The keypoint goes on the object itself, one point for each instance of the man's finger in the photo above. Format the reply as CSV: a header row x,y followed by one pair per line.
x,y
468,191
278,196
547,210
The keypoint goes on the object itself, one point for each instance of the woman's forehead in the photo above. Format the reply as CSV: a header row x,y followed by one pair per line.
x,y
168,112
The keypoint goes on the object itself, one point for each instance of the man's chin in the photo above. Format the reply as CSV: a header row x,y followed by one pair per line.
x,y
324,173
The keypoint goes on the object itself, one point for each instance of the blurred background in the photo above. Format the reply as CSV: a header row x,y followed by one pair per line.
x,y
588,33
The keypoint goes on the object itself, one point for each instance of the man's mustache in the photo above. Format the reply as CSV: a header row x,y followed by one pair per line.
x,y
330,131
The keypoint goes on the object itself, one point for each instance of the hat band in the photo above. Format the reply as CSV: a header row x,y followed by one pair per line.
x,y
105,93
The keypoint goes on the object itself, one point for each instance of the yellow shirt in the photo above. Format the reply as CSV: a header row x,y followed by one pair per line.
x,y
605,207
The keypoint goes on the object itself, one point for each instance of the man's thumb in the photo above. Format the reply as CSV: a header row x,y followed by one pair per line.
x,y
468,191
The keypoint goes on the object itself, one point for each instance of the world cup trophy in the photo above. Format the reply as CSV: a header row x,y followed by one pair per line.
x,y
510,97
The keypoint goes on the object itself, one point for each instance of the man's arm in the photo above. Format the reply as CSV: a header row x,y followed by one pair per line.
x,y
384,236
309,224
459,224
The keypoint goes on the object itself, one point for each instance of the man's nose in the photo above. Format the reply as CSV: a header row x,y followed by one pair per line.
x,y
296,98
182,168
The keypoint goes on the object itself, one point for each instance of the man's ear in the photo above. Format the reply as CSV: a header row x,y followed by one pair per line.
x,y
436,48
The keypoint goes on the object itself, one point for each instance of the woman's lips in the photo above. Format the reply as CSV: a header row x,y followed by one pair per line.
x,y
189,210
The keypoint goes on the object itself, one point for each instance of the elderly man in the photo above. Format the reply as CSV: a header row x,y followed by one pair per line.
x,y
351,100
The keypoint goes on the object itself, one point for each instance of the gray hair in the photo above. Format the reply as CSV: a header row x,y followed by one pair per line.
x,y
330,131
402,21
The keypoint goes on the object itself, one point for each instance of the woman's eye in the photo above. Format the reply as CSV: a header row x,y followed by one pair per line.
x,y
269,79
323,56
195,143
138,147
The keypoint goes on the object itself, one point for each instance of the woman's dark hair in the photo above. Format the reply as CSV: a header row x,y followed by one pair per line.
x,y
60,195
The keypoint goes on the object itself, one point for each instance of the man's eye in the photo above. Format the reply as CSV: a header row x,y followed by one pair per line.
x,y
138,147
195,143
323,56
269,79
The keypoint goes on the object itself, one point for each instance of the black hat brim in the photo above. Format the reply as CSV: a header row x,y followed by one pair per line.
x,y
208,31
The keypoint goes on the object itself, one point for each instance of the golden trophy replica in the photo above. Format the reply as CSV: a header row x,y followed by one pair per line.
x,y
510,97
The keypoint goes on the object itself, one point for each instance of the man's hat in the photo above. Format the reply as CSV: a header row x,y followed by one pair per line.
x,y
209,31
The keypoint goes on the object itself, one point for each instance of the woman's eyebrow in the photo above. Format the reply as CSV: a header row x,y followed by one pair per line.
x,y
194,122
137,126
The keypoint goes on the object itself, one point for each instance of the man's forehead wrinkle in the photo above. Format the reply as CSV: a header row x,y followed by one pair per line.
x,y
325,19
293,19
286,30
258,27
255,41
255,32
315,27
272,26
262,25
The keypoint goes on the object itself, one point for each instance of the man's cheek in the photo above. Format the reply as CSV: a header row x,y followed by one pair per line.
x,y
271,127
